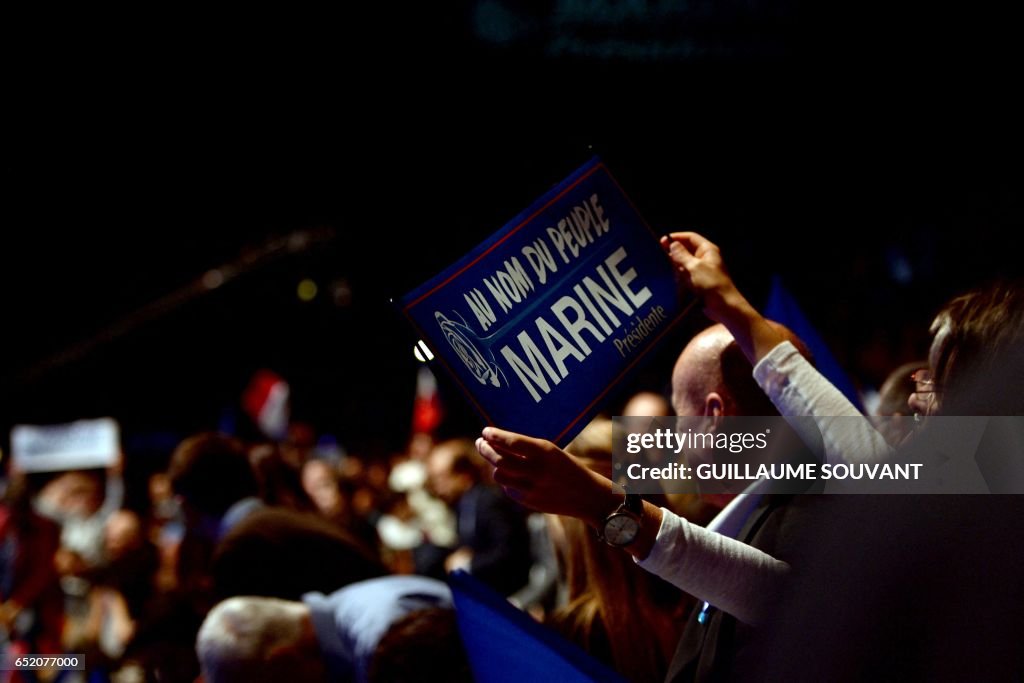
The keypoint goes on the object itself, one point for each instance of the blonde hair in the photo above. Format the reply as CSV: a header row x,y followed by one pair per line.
x,y
635,635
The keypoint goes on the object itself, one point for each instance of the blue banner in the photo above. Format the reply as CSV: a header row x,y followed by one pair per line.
x,y
540,322
505,645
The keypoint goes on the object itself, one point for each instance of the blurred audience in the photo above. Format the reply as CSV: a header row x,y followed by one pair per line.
x,y
282,553
493,539
279,480
31,603
647,403
599,577
396,628
291,560
81,501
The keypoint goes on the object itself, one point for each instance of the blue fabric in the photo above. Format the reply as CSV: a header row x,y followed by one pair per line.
x,y
350,622
505,645
237,512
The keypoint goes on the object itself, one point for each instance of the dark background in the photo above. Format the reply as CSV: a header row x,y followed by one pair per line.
x,y
869,155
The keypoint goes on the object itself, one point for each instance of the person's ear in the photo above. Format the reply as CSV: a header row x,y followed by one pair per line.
x,y
714,408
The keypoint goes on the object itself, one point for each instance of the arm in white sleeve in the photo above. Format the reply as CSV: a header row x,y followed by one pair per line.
x,y
733,576
113,497
799,390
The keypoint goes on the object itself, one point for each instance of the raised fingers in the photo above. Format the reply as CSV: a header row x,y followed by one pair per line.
x,y
691,240
516,444
682,256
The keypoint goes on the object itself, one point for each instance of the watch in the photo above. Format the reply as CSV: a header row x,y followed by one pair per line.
x,y
621,527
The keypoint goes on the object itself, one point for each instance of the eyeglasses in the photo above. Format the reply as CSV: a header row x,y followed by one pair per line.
x,y
924,381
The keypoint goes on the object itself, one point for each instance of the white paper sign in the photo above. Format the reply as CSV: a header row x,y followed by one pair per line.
x,y
77,445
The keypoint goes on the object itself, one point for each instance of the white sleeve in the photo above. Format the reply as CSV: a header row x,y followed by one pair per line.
x,y
113,495
798,390
733,576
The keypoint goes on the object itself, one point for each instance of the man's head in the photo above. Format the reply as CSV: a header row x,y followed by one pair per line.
x,y
713,378
452,469
647,403
211,472
259,640
320,481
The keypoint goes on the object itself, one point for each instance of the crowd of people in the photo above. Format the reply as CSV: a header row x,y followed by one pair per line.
x,y
269,561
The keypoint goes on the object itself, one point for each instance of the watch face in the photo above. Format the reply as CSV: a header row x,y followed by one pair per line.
x,y
621,529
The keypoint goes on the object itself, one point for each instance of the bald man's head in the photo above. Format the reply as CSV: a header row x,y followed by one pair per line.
x,y
698,371
712,376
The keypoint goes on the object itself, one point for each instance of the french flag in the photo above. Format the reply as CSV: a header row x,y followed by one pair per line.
x,y
265,400
427,410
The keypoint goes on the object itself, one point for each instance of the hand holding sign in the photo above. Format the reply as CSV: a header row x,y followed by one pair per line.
x,y
700,265
543,477
76,445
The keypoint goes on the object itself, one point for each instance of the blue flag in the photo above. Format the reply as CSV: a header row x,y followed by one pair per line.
x,y
783,308
505,645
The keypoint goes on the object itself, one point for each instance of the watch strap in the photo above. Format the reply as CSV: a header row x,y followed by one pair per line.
x,y
633,503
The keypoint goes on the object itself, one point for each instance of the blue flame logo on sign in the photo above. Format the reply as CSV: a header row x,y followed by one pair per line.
x,y
458,336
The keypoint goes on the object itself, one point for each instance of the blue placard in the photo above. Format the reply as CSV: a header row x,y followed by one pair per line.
x,y
541,321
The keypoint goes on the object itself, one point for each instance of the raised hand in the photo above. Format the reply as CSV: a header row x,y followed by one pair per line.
x,y
701,268
541,476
